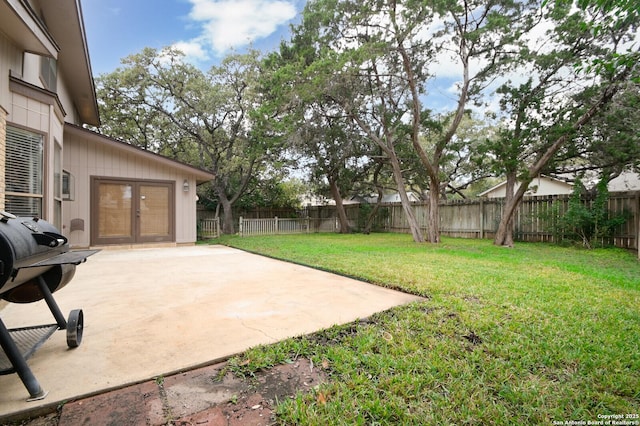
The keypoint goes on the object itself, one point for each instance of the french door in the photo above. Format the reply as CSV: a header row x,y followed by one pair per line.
x,y
131,212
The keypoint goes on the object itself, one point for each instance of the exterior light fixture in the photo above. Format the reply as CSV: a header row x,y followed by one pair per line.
x,y
185,186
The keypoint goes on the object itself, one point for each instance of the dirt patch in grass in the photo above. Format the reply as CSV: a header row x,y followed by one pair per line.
x,y
253,399
211,395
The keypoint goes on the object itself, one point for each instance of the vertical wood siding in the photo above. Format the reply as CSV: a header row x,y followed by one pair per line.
x,y
84,158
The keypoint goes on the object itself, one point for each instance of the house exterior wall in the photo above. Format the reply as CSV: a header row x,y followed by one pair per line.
x,y
40,114
85,156
3,136
539,187
31,69
25,104
10,58
31,75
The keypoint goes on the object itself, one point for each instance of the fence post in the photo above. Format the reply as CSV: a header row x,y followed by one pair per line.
x,y
638,223
481,218
240,226
307,223
277,226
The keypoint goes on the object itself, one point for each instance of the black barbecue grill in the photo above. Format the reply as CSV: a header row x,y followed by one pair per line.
x,y
35,261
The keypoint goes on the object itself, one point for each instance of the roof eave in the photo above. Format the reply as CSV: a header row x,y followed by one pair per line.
x,y
19,22
201,176
66,24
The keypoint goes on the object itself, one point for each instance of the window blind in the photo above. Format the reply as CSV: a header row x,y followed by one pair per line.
x,y
24,171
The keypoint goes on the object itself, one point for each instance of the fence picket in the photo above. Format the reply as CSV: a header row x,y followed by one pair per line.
x,y
210,228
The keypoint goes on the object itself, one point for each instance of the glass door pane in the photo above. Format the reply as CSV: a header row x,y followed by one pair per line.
x,y
115,212
154,212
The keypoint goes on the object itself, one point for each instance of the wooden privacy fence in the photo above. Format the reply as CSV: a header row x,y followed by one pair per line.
x,y
535,219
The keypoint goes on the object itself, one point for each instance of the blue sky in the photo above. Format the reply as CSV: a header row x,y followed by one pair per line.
x,y
205,29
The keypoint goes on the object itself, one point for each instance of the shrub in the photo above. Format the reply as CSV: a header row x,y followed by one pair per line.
x,y
587,219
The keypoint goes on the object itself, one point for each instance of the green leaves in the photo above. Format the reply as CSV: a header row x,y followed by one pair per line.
x,y
588,221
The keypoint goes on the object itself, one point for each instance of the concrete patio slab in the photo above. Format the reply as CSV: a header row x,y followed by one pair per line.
x,y
154,312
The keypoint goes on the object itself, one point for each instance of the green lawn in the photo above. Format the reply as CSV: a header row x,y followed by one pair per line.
x,y
529,335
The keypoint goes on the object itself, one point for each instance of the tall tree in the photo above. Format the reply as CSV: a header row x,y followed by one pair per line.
x,y
320,68
335,152
375,59
558,99
208,115
480,35
126,116
299,97
611,16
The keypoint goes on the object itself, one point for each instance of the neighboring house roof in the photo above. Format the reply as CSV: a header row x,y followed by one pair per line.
x,y
345,202
627,181
542,185
387,198
200,175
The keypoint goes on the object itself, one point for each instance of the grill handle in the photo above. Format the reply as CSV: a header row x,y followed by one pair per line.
x,y
49,239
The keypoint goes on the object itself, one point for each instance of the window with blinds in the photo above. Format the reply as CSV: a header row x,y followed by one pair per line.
x,y
23,172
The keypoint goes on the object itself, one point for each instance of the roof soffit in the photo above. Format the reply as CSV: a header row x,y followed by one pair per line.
x,y
20,23
65,22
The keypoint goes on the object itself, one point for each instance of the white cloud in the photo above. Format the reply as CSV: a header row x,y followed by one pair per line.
x,y
193,50
226,24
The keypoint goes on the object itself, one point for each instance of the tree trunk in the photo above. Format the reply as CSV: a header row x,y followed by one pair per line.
x,y
433,166
389,150
372,214
371,217
416,232
504,235
342,214
434,209
506,223
227,213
